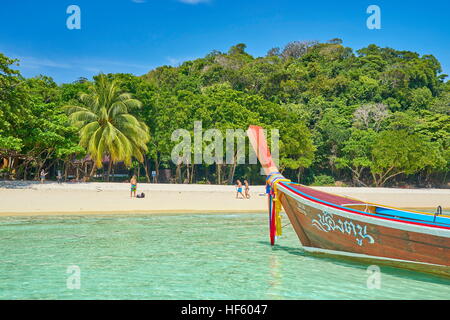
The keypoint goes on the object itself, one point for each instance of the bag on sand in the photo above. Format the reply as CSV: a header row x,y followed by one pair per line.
x,y
142,195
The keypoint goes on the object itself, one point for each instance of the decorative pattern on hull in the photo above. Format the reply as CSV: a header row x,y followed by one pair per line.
x,y
327,223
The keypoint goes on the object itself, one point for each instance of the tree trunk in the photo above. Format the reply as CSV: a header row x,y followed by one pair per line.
x,y
178,173
299,174
37,173
192,173
110,164
66,170
10,168
146,169
206,172
77,178
188,174
231,173
93,170
218,173
25,171
138,171
156,169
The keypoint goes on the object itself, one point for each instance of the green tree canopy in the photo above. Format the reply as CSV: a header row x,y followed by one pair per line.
x,y
105,125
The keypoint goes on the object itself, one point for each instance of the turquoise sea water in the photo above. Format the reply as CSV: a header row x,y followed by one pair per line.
x,y
220,256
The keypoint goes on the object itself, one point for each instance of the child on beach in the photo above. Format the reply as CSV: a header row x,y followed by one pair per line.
x,y
133,182
239,189
43,174
247,189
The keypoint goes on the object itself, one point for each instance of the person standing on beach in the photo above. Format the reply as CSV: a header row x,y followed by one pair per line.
x,y
42,175
59,177
247,189
239,189
133,186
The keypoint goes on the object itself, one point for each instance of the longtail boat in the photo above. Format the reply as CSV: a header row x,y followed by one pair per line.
x,y
342,227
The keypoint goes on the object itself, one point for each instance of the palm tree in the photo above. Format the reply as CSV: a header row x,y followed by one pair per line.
x,y
105,125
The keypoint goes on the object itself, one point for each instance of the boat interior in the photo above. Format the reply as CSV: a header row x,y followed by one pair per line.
x,y
437,217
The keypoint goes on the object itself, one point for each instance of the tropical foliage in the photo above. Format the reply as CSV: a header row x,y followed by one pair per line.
x,y
105,125
374,116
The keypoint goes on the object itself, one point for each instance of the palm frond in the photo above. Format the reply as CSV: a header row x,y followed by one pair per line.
x,y
106,127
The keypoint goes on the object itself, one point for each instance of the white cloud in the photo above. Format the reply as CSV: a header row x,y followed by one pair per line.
x,y
91,64
194,1
173,61
34,63
183,1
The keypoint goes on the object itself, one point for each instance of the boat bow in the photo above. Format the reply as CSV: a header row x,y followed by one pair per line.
x,y
339,226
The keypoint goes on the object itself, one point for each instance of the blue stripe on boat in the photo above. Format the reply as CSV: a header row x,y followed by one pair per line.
x,y
398,215
412,215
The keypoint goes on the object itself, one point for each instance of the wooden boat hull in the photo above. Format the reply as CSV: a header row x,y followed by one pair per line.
x,y
324,229
349,228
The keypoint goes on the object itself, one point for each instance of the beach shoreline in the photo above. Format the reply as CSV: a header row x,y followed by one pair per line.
x,y
19,198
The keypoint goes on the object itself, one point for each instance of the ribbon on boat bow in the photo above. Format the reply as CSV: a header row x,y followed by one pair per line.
x,y
275,205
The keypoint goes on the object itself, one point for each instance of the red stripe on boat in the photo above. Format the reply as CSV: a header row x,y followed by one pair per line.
x,y
338,200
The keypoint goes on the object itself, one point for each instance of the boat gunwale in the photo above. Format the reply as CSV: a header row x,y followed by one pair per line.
x,y
362,213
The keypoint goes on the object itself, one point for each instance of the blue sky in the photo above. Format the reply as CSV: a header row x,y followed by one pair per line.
x,y
136,36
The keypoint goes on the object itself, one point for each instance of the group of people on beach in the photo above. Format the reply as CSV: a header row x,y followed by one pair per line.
x,y
133,182
239,186
239,189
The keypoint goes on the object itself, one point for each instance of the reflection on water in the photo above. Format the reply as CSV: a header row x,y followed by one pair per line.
x,y
275,278
183,257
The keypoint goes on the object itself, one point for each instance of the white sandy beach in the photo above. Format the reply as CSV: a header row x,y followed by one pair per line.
x,y
30,198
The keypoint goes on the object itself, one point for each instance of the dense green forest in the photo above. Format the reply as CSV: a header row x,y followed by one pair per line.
x,y
371,117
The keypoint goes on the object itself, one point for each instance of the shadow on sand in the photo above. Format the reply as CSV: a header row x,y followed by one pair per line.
x,y
18,184
397,272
